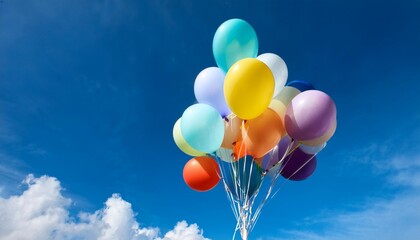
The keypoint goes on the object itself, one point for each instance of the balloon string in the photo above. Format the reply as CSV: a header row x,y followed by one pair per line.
x,y
273,182
226,155
249,200
241,202
293,147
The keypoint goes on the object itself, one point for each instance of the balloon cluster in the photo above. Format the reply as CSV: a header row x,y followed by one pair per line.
x,y
248,123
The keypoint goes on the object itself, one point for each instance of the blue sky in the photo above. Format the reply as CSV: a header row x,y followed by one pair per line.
x,y
90,90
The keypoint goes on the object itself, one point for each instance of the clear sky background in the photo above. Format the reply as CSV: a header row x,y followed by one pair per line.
x,y
90,90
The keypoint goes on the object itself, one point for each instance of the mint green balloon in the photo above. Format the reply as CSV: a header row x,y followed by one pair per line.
x,y
234,40
202,127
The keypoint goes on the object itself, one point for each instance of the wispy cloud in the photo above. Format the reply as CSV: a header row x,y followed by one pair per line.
x,y
404,171
11,168
396,217
10,171
7,135
41,212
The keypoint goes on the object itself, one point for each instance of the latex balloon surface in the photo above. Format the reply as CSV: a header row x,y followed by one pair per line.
x,y
232,131
201,173
181,143
278,68
298,165
239,150
310,115
261,134
248,88
277,154
301,85
312,149
324,138
287,94
208,89
202,127
225,154
234,40
280,102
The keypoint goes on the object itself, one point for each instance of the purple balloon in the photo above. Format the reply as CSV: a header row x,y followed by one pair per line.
x,y
298,165
309,115
277,154
208,89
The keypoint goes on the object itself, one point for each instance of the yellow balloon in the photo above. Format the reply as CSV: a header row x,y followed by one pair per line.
x,y
181,143
279,102
287,94
278,107
248,88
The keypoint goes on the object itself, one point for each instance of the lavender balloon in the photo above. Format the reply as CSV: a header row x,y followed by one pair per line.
x,y
298,165
309,115
277,154
208,89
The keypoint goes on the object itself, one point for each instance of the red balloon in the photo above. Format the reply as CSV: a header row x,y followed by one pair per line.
x,y
201,173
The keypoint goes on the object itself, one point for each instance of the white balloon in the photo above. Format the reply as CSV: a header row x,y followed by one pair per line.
x,y
278,68
312,149
225,154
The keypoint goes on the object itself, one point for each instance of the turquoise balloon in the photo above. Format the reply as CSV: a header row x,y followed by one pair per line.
x,y
234,40
245,178
202,127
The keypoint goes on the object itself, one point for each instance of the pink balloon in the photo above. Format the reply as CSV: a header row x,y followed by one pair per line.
x,y
310,115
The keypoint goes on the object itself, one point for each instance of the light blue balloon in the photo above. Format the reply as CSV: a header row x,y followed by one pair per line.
x,y
208,89
312,149
234,40
202,127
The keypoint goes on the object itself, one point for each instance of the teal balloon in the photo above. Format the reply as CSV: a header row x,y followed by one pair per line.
x,y
245,178
234,40
202,127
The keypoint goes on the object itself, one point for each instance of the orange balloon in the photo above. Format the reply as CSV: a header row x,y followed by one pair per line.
x,y
232,131
201,173
263,133
258,161
239,150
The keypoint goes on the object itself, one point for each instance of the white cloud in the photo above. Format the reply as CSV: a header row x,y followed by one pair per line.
x,y
36,213
41,212
397,217
185,232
